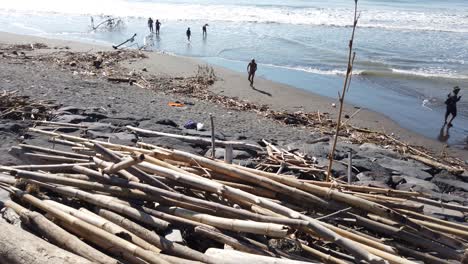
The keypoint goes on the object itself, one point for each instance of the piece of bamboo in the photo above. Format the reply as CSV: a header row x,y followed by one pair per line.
x,y
215,187
104,224
199,140
322,256
54,151
404,235
268,229
228,240
56,235
118,207
105,164
122,244
161,242
124,164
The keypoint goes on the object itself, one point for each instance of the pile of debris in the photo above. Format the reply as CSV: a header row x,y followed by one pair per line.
x,y
18,107
142,203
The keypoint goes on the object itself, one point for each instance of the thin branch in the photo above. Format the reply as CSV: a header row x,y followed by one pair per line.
x,y
342,95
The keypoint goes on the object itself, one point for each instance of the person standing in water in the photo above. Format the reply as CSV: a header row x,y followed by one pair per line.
x,y
204,30
451,103
251,69
150,24
188,33
158,26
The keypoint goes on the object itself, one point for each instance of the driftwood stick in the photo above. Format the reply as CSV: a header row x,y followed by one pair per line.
x,y
199,140
213,140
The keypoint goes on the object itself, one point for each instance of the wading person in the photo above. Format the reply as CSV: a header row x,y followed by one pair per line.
x,y
188,33
150,24
251,69
451,103
158,26
204,30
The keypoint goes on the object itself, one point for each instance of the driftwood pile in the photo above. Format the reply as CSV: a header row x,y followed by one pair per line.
x,y
145,204
16,107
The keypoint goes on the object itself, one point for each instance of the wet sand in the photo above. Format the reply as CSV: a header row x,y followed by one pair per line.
x,y
233,84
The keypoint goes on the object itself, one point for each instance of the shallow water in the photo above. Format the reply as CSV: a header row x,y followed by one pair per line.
x,y
407,51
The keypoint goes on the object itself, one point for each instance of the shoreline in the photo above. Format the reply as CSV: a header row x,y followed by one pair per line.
x,y
233,84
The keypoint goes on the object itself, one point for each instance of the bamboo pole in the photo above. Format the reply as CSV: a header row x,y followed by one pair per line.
x,y
322,256
102,223
99,201
268,229
199,140
231,241
90,229
59,236
161,242
134,171
54,151
124,164
404,235
211,186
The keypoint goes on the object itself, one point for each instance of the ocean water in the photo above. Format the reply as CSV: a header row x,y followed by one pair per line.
x,y
408,51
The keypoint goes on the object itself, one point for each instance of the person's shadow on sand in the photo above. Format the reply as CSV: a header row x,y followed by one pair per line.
x,y
444,135
260,91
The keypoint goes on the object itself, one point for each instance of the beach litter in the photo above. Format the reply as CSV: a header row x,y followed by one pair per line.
x,y
107,202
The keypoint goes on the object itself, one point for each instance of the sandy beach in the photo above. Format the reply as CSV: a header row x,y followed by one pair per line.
x,y
231,84
93,128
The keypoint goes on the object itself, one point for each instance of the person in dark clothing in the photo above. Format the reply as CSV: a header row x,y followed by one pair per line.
x,y
251,69
188,33
205,33
451,103
158,26
150,24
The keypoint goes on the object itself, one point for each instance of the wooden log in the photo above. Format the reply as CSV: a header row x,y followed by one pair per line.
x,y
20,247
58,236
161,242
199,140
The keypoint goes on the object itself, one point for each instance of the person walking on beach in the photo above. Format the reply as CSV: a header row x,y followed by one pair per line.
x,y
251,69
204,30
451,103
189,34
150,24
158,26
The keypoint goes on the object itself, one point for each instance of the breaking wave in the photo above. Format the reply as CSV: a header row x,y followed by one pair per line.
x,y
428,20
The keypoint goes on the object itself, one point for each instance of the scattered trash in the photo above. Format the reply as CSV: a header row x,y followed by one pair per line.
x,y
176,104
